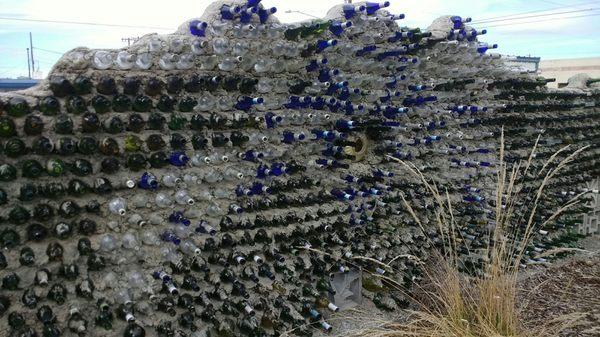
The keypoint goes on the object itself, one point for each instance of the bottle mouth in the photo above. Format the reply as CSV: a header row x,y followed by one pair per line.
x,y
122,212
190,201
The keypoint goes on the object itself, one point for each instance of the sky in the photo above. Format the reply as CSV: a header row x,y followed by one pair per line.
x,y
550,29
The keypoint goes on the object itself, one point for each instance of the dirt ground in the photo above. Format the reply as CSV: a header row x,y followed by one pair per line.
x,y
568,287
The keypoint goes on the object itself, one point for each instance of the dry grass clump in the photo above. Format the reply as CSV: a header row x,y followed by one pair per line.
x,y
451,303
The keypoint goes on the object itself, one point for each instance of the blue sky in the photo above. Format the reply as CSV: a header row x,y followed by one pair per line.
x,y
541,32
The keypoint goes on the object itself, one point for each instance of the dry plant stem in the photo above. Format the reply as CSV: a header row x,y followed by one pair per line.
x,y
485,305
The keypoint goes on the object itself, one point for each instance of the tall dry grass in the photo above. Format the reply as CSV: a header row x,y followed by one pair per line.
x,y
451,303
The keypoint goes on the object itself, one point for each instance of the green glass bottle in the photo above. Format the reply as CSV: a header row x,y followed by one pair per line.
x,y
42,146
7,172
78,187
49,106
136,123
63,124
87,146
53,190
27,192
158,159
199,142
14,148
156,121
101,104
324,285
9,238
187,104
55,167
32,168
34,125
177,122
76,105
60,86
165,103
114,125
142,103
90,123
136,162
3,199
7,127
66,146
384,302
133,143
198,122
18,107
82,85
121,103
19,215
81,167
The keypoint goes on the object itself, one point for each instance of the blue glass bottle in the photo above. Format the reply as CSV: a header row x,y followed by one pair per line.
x,y
161,275
289,137
170,237
326,74
198,28
247,13
352,179
337,28
342,124
229,12
245,103
242,191
178,159
341,195
373,7
148,181
271,120
324,44
251,155
316,64
258,188
483,47
178,218
350,10
263,14
365,50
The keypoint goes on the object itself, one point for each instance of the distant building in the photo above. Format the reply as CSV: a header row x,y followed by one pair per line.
x,y
523,63
563,69
11,84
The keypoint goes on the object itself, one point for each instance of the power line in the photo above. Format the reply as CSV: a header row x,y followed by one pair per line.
x,y
535,11
85,23
538,15
544,20
49,51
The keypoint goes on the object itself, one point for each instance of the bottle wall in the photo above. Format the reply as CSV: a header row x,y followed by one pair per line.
x,y
215,178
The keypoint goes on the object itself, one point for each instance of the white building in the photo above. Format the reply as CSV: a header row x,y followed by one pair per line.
x,y
561,70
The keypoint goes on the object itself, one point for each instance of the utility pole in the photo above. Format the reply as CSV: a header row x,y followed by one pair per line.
x,y
28,64
130,39
31,50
